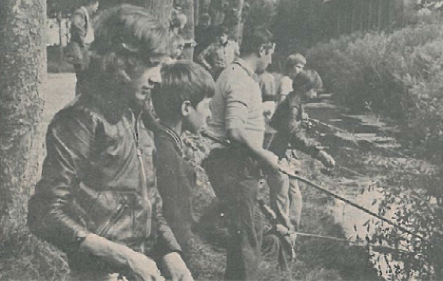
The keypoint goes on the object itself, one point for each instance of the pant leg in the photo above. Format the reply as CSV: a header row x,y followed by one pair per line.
x,y
237,186
279,196
273,251
295,203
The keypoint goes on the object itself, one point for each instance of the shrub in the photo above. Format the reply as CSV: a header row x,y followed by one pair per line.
x,y
397,74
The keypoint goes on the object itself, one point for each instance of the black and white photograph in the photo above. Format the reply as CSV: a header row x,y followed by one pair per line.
x,y
209,140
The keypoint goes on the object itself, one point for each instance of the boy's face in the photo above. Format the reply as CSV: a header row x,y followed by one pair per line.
x,y
94,7
178,50
223,38
297,69
143,81
196,117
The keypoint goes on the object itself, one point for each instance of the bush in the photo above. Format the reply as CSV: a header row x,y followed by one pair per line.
x,y
397,74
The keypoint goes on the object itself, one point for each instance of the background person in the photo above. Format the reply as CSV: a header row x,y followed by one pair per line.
x,y
219,54
294,64
82,35
288,119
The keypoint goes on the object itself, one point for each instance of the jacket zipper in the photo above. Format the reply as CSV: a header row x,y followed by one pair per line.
x,y
112,220
141,166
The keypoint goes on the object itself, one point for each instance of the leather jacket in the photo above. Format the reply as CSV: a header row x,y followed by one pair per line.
x,y
98,177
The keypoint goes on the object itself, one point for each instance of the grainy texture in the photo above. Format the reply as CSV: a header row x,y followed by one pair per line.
x,y
22,71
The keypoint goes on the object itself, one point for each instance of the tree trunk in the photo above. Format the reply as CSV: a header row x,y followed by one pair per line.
x,y
22,71
188,31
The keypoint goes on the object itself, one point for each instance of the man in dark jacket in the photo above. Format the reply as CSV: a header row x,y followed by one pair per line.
x,y
97,199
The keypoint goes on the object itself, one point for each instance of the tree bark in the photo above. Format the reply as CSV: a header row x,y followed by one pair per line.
x,y
22,72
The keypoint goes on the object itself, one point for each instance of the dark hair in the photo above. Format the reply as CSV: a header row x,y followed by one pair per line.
x,y
304,82
181,81
254,38
221,29
127,36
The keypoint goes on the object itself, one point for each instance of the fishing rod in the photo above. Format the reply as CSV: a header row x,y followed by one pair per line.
x,y
330,193
355,205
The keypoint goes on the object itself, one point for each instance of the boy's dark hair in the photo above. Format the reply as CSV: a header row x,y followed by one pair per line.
x,y
127,36
222,29
254,38
181,81
306,81
293,60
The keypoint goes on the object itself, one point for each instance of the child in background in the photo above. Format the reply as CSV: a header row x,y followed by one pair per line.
x,y
288,119
178,45
293,66
181,102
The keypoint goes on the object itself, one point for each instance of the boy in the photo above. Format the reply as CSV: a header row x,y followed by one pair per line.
x,y
288,119
294,64
181,102
219,54
97,200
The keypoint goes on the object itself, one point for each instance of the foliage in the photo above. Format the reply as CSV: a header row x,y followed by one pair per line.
x,y
412,197
397,74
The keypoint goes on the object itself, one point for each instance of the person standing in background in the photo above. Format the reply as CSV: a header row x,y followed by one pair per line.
x,y
294,64
219,54
82,35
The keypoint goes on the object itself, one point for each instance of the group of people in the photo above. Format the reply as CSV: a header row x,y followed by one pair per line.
x,y
116,193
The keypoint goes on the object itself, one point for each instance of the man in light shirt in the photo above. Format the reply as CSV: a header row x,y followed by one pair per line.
x,y
235,170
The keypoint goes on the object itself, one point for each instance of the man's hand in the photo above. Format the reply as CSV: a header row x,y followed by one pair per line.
x,y
270,159
176,268
326,159
138,265
144,268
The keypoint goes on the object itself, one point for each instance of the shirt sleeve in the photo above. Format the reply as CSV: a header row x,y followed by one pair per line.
x,y
298,139
202,58
285,87
238,98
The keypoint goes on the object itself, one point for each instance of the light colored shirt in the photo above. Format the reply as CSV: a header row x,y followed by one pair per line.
x,y
218,56
237,103
284,89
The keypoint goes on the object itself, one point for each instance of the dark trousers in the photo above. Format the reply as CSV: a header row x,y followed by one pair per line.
x,y
235,177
